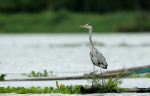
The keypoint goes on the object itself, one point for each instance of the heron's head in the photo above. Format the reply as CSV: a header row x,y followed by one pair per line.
x,y
86,26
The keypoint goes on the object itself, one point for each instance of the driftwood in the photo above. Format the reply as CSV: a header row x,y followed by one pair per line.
x,y
127,70
107,74
89,89
94,89
48,78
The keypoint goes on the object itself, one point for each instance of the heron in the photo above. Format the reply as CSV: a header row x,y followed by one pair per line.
x,y
96,56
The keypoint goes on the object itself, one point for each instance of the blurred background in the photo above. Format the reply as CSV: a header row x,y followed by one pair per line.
x,y
127,44
64,16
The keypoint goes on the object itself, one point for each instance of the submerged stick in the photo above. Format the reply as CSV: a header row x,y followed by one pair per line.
x,y
90,89
105,75
94,89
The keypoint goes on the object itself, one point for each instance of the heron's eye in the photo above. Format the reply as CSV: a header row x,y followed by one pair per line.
x,y
89,24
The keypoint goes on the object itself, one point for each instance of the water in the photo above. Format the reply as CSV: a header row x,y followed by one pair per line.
x,y
108,94
68,55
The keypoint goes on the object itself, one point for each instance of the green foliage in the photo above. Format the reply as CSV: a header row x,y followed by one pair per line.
x,y
22,6
140,23
134,75
57,85
2,77
148,75
59,89
103,86
124,89
39,74
61,22
99,6
112,85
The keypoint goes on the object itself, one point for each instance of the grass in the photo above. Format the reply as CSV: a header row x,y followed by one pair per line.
x,y
65,22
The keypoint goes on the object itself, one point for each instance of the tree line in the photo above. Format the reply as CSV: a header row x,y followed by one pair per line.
x,y
94,6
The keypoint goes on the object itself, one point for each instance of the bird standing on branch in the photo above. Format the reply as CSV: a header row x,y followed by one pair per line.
x,y
96,57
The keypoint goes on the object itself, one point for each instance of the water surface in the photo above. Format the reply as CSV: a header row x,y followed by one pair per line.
x,y
68,55
22,53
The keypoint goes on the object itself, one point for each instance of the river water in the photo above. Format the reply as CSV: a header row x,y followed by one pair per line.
x,y
68,55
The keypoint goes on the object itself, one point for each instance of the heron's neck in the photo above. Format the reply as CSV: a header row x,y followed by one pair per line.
x,y
90,37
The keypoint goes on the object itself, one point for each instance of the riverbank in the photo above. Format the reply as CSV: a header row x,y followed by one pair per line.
x,y
68,22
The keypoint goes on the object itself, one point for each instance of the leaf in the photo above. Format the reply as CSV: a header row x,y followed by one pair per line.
x,y
57,85
8,89
33,74
2,89
2,76
62,86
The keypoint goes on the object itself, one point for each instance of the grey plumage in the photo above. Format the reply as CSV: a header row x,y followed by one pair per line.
x,y
96,57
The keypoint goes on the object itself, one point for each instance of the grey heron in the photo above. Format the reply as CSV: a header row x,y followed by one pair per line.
x,y
96,56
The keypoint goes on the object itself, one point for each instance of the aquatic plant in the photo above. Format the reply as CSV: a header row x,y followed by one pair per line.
x,y
69,89
134,75
147,75
2,77
100,85
39,74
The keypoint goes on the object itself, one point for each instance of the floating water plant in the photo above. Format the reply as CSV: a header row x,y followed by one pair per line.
x,y
102,86
148,75
39,74
134,75
2,77
59,89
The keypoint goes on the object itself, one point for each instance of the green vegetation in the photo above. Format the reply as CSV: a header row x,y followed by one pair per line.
x,y
100,85
51,16
67,22
140,23
2,77
39,74
99,6
148,75
134,75
111,86
59,89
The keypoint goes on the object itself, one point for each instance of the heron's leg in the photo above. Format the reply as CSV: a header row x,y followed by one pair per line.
x,y
101,75
94,68
93,74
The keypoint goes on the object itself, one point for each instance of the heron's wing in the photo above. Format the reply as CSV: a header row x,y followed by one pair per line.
x,y
100,57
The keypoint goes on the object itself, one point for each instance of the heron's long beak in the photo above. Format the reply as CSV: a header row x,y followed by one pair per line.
x,y
82,26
